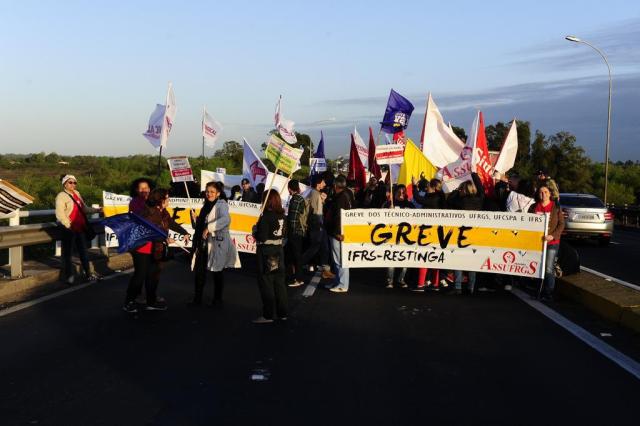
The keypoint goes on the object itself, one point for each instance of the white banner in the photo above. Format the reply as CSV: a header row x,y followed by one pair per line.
x,y
243,217
496,242
390,154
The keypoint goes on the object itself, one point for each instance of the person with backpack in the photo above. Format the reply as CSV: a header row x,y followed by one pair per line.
x,y
297,217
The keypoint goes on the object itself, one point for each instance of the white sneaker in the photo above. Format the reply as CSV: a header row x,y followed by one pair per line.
x,y
338,290
403,284
296,283
389,284
507,287
262,320
444,283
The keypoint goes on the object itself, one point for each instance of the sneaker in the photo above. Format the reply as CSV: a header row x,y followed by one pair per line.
x,y
130,307
328,275
420,288
507,287
403,284
93,277
296,283
262,320
389,284
483,289
444,283
157,306
283,318
71,280
338,290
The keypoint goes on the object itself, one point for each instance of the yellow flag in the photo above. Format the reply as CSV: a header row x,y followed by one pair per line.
x,y
415,165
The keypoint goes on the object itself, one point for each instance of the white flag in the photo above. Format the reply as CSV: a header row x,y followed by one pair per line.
x,y
284,126
363,149
458,171
507,157
211,129
439,143
155,126
161,121
252,166
169,116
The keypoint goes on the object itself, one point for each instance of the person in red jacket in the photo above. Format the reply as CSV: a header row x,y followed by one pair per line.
x,y
544,205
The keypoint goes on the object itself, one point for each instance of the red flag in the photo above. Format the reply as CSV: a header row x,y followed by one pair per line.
x,y
374,168
357,172
481,159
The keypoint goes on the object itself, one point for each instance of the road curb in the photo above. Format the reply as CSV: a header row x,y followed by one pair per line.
x,y
13,290
606,298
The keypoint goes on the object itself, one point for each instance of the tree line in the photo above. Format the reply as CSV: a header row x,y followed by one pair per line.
x,y
559,155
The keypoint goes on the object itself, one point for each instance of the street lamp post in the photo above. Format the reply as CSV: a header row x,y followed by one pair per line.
x,y
606,152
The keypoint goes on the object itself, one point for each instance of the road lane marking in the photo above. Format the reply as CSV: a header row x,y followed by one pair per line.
x,y
30,303
610,278
313,284
623,361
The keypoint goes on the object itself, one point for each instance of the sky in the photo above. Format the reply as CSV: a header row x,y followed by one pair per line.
x,y
82,77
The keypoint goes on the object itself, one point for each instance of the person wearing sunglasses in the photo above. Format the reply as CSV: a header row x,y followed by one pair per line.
x,y
71,213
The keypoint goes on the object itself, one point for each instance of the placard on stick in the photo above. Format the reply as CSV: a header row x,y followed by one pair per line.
x,y
180,169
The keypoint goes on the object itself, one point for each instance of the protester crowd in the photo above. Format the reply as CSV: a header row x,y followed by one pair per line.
x,y
293,245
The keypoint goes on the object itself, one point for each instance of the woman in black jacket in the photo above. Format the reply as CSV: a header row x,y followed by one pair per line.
x,y
269,233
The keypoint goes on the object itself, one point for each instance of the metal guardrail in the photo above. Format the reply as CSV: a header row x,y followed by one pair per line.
x,y
15,236
626,215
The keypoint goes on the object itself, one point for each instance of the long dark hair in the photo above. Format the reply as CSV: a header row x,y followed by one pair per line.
x,y
274,202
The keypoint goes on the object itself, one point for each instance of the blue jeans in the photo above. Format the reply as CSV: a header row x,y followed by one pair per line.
x,y
549,282
390,273
472,280
342,274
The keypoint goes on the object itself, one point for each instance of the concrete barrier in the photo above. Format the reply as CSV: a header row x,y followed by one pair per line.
x,y
15,290
608,299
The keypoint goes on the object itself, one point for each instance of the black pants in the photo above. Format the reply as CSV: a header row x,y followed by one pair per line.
x,y
200,270
273,289
294,255
146,270
318,245
69,240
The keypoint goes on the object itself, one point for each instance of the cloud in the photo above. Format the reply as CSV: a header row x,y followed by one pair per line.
x,y
618,41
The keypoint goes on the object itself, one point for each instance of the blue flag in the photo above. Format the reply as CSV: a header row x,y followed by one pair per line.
x,y
396,116
133,231
318,163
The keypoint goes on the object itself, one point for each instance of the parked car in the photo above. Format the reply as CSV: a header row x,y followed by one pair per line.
x,y
586,216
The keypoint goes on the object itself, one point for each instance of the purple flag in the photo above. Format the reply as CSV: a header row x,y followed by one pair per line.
x,y
396,116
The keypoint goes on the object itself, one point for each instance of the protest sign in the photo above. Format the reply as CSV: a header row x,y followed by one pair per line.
x,y
495,242
180,169
243,217
390,154
283,156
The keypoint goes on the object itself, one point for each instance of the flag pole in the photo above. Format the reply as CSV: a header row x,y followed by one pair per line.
x,y
159,162
164,123
264,203
390,184
204,111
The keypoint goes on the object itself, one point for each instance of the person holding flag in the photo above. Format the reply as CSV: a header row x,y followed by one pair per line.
x,y
146,258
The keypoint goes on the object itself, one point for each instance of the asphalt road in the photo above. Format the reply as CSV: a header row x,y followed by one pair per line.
x,y
619,259
370,356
